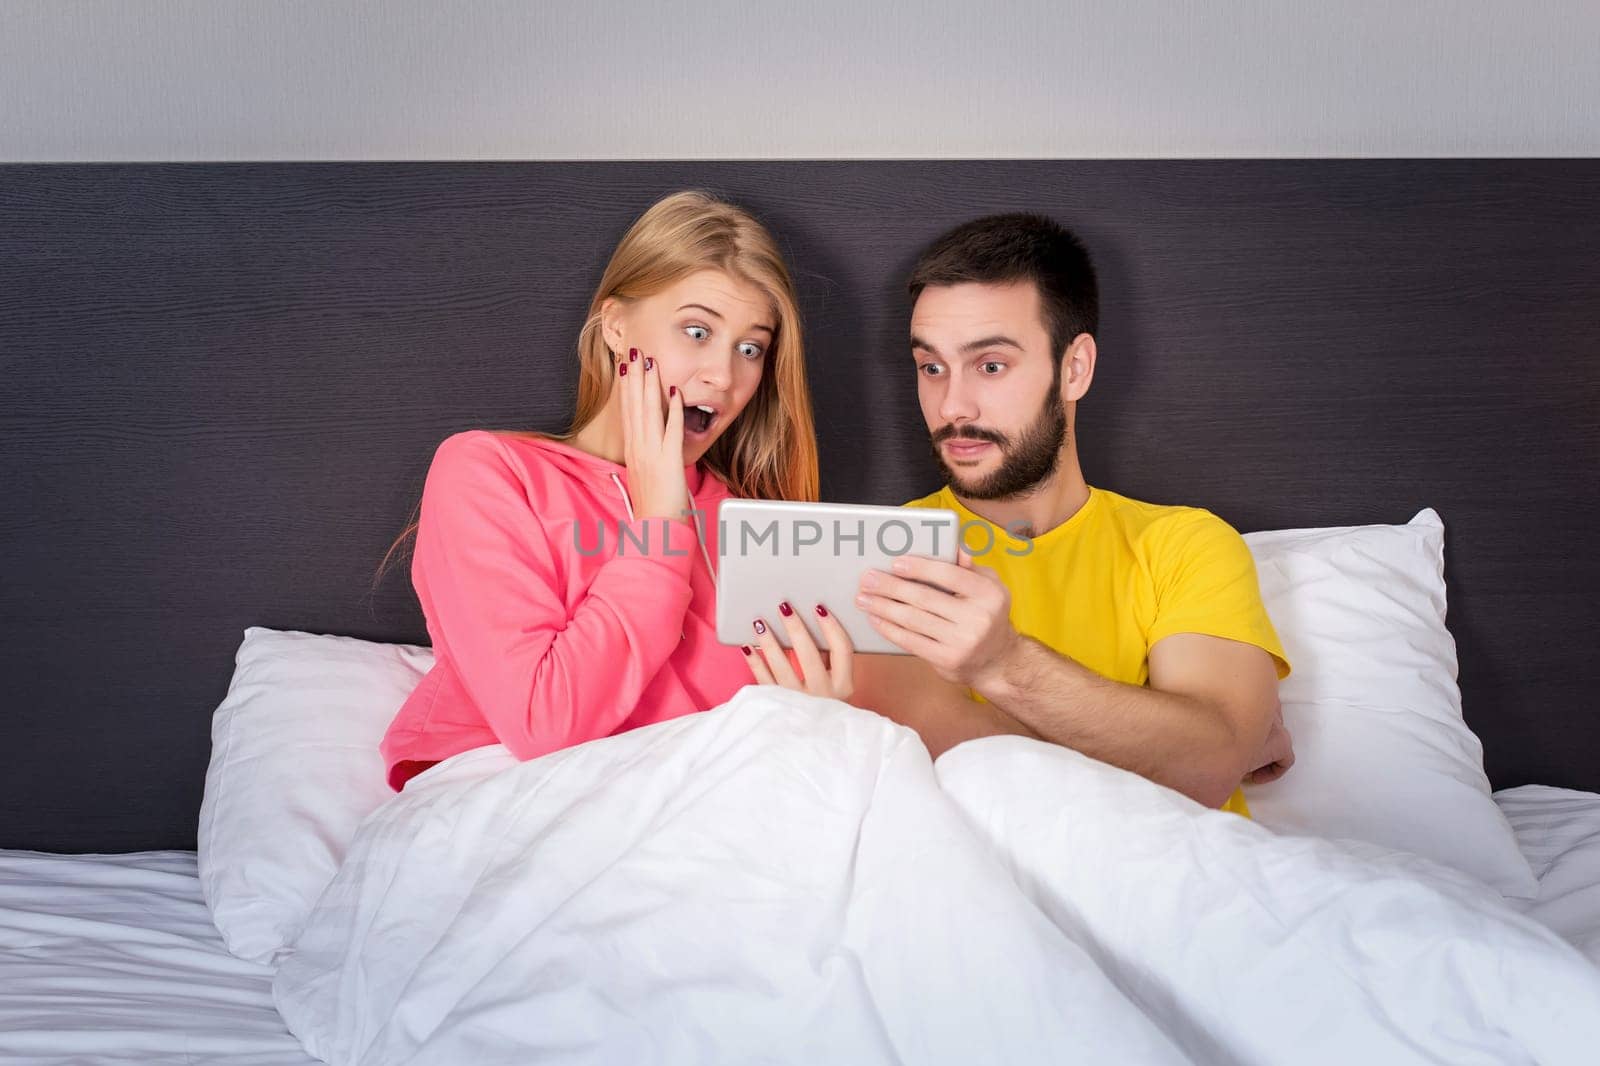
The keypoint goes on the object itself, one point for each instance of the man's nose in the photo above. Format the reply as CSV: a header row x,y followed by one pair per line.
x,y
956,405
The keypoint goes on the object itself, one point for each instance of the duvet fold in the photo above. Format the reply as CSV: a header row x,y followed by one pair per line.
x,y
789,879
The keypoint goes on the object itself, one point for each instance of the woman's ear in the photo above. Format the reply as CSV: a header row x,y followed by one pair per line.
x,y
611,324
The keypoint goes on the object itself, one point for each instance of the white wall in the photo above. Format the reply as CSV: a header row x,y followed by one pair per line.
x,y
318,79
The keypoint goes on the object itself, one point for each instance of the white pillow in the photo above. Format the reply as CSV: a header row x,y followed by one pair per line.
x,y
1381,751
294,769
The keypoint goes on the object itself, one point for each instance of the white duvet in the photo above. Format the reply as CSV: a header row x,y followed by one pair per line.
x,y
788,879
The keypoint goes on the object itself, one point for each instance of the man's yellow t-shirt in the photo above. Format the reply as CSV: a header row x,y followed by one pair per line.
x,y
1119,575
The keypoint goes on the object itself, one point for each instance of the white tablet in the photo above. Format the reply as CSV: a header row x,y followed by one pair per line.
x,y
811,553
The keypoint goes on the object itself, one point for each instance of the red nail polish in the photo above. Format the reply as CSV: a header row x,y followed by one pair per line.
x,y
623,370
822,612
672,390
761,627
633,355
649,364
785,610
746,649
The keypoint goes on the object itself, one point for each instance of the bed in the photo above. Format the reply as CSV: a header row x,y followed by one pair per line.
x,y
113,958
224,384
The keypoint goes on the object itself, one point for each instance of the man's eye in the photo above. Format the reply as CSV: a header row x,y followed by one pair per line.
x,y
931,370
754,351
997,367
702,329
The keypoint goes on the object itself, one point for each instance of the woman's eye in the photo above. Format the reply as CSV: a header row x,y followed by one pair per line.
x,y
689,330
750,350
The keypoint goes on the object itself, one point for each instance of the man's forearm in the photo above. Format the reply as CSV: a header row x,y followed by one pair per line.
x,y
904,689
949,719
968,719
1177,741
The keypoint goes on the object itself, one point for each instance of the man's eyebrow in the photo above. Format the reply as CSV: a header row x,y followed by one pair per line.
x,y
718,317
996,341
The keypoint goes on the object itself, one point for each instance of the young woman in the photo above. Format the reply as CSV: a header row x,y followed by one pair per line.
x,y
568,582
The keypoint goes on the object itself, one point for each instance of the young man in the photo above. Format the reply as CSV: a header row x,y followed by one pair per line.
x,y
1132,632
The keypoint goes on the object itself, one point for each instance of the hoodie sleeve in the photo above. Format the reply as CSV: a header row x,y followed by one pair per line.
x,y
489,578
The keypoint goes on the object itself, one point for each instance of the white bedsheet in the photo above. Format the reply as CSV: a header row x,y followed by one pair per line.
x,y
1558,830
788,879
113,959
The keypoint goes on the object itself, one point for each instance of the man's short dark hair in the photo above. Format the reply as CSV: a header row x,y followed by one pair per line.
x,y
1000,249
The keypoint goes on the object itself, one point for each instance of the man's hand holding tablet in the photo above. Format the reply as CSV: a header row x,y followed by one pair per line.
x,y
954,617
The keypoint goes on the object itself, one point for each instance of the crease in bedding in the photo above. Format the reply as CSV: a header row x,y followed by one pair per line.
x,y
975,896
113,958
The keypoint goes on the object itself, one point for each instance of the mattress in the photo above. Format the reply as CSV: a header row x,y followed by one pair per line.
x,y
1558,830
113,958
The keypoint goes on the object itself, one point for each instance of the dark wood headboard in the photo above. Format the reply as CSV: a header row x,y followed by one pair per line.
x,y
222,385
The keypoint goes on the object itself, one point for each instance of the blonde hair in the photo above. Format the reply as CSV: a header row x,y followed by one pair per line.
x,y
770,450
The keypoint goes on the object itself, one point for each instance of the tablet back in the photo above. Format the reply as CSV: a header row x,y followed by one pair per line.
x,y
811,553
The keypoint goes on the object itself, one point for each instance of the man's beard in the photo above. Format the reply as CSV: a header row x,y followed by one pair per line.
x,y
1023,463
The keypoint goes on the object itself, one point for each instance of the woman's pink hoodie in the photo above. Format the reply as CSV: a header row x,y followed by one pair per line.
x,y
556,617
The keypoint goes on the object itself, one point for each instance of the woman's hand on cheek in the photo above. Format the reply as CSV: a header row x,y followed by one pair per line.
x,y
652,440
803,668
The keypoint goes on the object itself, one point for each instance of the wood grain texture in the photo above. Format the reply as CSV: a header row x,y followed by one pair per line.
x,y
223,385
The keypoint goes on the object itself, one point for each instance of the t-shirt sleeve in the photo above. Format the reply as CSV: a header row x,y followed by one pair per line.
x,y
1206,583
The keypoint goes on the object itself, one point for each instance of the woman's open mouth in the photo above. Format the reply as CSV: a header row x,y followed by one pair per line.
x,y
697,419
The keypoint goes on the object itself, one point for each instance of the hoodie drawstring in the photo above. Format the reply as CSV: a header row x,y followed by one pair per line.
x,y
694,516
626,502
